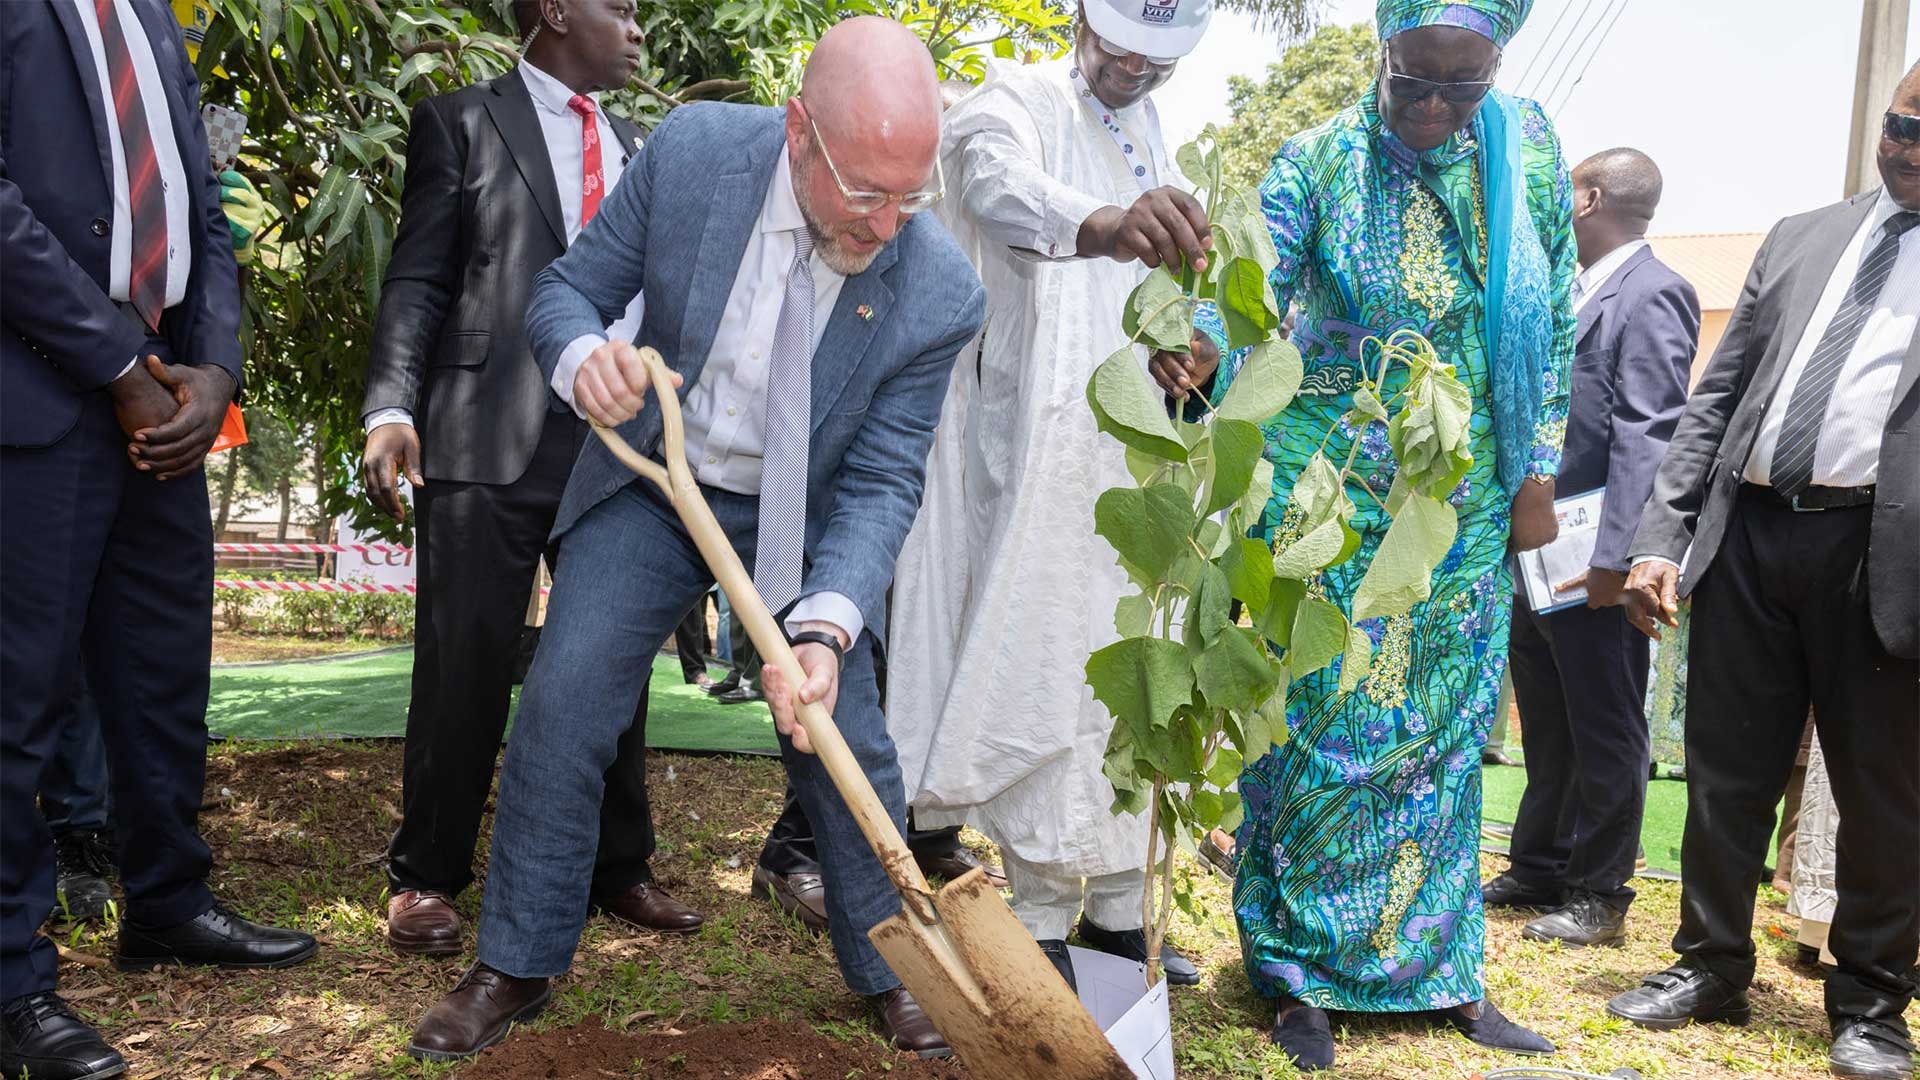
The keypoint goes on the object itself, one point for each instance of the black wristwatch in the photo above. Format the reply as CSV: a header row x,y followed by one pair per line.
x,y
821,637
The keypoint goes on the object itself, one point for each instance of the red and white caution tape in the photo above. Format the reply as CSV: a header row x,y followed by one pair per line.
x,y
310,586
320,586
310,549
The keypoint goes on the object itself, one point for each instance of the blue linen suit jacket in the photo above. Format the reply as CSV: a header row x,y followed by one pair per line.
x,y
60,336
1634,347
675,229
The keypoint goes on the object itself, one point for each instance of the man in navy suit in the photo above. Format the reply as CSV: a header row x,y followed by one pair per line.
x,y
1580,674
811,315
119,351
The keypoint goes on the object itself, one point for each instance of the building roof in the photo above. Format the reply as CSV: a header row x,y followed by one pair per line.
x,y
1715,264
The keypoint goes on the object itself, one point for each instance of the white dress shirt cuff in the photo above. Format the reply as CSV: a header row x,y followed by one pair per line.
x,y
1638,559
382,417
571,358
828,607
130,366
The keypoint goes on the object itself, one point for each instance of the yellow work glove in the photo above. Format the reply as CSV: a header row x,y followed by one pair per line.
x,y
246,212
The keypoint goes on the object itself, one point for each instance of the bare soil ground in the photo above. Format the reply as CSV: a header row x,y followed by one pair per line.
x,y
298,833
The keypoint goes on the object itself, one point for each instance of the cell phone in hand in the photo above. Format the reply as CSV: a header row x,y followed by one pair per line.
x,y
224,130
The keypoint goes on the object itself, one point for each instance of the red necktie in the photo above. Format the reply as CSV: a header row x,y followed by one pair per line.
x,y
147,277
591,186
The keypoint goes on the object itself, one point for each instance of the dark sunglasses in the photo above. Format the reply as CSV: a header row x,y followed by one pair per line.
x,y
1409,90
1901,128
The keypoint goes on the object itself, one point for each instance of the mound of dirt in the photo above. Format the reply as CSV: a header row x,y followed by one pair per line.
x,y
761,1050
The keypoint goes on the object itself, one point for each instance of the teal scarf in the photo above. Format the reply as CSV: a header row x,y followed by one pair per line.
x,y
1518,323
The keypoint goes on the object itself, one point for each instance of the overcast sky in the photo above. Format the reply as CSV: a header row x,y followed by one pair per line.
x,y
1743,104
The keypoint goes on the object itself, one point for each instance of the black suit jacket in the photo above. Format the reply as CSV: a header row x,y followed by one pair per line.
x,y
61,338
1693,496
1636,341
479,217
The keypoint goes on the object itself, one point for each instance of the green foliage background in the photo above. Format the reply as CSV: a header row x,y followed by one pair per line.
x,y
1311,81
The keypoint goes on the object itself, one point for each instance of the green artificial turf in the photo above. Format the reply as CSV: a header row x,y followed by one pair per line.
x,y
1660,829
365,696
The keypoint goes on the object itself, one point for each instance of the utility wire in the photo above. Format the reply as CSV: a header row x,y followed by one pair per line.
x,y
1552,31
1553,63
1616,8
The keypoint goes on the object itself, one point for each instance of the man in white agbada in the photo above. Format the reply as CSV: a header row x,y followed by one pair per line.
x,y
1060,187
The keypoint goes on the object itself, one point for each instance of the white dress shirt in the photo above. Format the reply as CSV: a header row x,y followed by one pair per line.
x,y
726,409
1590,279
166,152
561,128
1848,453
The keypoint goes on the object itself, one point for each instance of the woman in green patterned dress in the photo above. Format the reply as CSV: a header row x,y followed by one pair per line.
x,y
1432,204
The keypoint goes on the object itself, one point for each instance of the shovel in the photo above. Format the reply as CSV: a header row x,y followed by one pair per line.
x,y
969,963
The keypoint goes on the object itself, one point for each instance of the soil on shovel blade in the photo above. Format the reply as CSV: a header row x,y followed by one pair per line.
x,y
761,1050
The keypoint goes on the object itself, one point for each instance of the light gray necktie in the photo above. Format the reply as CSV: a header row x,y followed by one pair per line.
x,y
778,560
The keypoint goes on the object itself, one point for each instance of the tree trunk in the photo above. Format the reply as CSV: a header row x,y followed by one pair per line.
x,y
286,509
226,492
322,530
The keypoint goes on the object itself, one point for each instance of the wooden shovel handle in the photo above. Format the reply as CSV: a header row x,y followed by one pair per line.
x,y
676,481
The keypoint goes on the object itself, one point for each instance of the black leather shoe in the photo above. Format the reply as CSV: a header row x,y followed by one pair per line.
x,y
82,865
1483,1024
1869,1049
1585,922
219,938
1304,1035
1055,950
1509,891
1132,945
42,1039
1679,996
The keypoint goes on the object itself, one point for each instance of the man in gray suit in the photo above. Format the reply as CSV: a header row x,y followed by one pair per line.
x,y
811,317
1580,673
1795,477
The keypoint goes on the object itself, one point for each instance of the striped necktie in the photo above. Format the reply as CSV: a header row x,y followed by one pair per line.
x,y
147,275
1793,454
779,558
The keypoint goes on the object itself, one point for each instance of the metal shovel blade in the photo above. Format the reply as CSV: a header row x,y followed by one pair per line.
x,y
961,953
991,991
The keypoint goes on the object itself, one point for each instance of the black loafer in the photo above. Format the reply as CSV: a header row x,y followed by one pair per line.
x,y
1132,945
1509,891
1056,950
1304,1035
1868,1049
218,938
1680,996
41,1038
82,865
1491,1029
1585,922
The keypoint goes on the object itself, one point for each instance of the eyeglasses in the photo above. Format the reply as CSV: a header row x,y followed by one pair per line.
x,y
871,202
1901,128
1117,53
1408,89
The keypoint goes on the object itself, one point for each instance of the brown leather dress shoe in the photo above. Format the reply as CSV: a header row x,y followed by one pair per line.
x,y
803,896
958,862
648,907
422,922
904,1025
481,1011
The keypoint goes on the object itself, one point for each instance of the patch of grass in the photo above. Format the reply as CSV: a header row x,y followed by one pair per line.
x,y
298,831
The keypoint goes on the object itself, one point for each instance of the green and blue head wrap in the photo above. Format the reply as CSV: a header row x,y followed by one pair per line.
x,y
1495,20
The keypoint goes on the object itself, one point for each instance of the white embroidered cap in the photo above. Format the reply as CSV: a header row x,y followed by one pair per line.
x,y
1160,29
